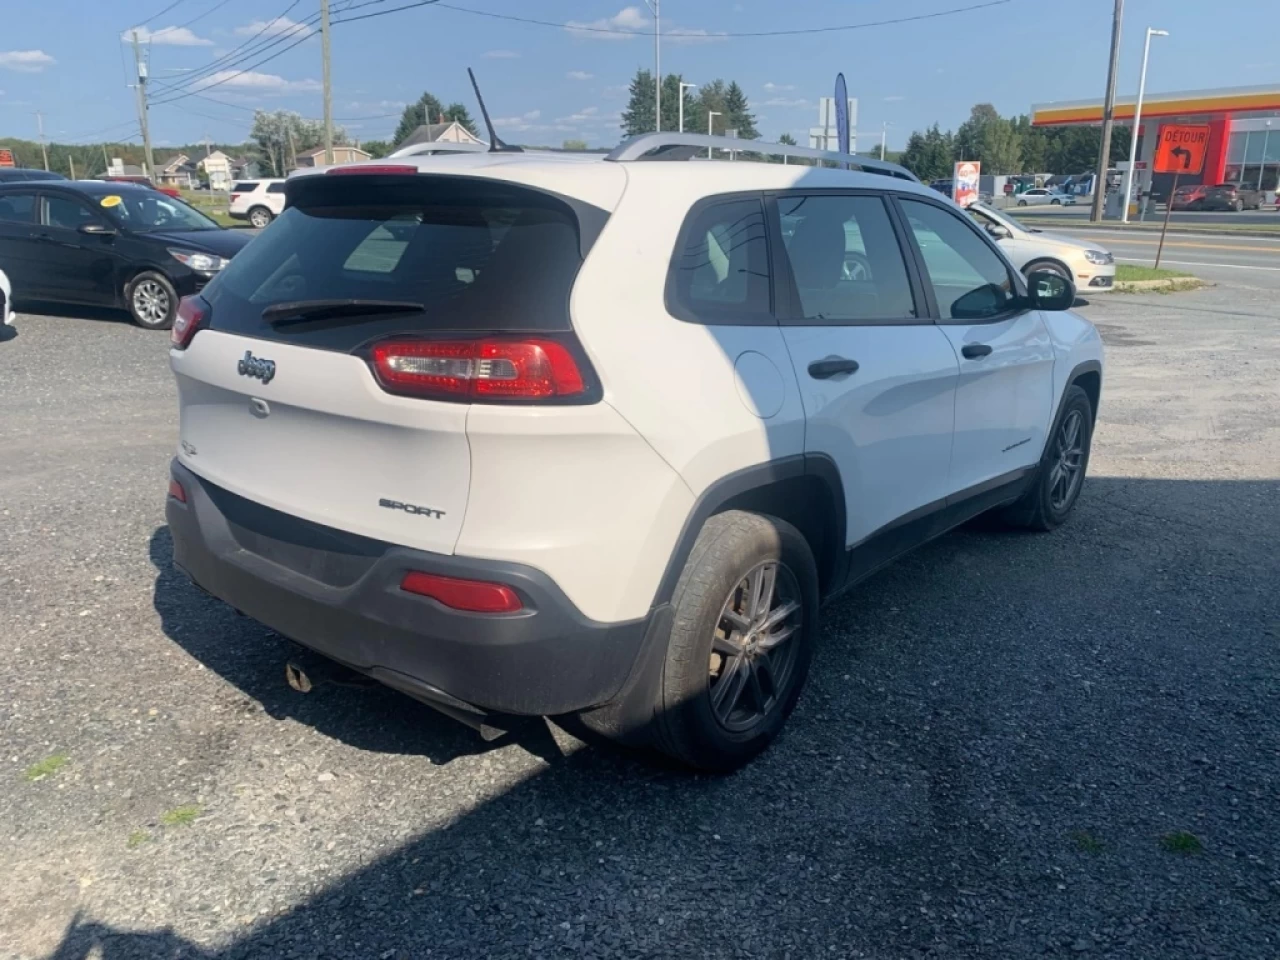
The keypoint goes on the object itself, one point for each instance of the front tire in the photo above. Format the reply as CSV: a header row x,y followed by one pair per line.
x,y
261,217
1022,203
152,301
745,612
1062,467
1238,206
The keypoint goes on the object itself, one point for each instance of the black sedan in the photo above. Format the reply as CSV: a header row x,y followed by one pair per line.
x,y
16,174
109,244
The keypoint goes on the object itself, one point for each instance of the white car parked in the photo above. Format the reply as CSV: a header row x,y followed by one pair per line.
x,y
1042,196
564,435
258,201
6,301
1082,263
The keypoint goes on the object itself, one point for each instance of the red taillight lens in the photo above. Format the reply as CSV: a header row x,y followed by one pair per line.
x,y
373,169
235,197
192,314
176,491
478,370
473,596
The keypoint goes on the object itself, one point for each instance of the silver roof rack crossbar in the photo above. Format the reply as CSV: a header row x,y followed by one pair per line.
x,y
688,146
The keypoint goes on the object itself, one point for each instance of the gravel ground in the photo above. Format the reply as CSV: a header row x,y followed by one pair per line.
x,y
1011,745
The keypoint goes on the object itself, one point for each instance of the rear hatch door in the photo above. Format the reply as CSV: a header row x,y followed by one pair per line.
x,y
278,401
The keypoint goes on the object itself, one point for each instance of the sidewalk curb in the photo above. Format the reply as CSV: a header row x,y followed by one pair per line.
x,y
1168,285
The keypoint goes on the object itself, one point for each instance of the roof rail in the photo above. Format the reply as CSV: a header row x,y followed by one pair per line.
x,y
689,146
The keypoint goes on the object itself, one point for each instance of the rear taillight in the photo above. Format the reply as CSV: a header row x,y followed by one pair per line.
x,y
476,371
176,491
473,596
193,313
235,197
374,169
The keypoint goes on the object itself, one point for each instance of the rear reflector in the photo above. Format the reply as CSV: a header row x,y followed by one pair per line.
x,y
374,169
478,370
473,596
176,491
192,314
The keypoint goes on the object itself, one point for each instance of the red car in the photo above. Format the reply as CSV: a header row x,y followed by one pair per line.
x,y
1190,197
167,191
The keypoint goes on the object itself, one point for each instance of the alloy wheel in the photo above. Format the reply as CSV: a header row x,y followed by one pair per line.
x,y
755,646
1067,470
151,302
259,219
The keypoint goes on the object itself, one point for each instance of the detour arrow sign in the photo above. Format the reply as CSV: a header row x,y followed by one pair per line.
x,y
1181,148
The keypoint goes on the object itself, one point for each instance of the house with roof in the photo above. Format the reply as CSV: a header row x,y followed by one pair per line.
x,y
178,172
451,132
344,153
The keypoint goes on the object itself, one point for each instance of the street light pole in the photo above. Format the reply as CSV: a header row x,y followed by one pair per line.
x,y
1137,121
328,97
1108,116
711,115
684,86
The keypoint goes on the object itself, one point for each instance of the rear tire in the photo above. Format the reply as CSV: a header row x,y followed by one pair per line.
x,y
1022,203
261,217
1238,206
1061,475
152,301
735,664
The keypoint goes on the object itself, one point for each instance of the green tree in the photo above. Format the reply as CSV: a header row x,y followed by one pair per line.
x,y
788,139
738,115
376,148
428,109
457,113
277,138
711,96
638,117
574,145
671,95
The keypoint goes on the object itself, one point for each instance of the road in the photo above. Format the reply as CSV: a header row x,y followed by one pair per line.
x,y
1249,262
1267,216
1011,745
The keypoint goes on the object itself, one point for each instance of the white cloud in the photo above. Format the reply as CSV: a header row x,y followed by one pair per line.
x,y
501,55
894,98
778,87
26,61
585,115
579,75
259,82
279,27
627,21
785,102
166,37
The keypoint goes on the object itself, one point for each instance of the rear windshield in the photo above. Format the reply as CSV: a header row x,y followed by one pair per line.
x,y
244,186
476,255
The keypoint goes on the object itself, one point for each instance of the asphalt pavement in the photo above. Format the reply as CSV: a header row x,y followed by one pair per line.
x,y
1079,212
1012,745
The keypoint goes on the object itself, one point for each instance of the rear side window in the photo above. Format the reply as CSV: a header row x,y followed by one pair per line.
x,y
244,186
845,259
17,207
474,255
720,271
275,188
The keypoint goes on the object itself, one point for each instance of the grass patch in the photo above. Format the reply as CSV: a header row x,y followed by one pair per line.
x,y
137,839
1129,271
47,767
1181,841
1086,842
182,816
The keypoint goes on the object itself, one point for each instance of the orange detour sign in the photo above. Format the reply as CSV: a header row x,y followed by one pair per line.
x,y
6,158
1181,148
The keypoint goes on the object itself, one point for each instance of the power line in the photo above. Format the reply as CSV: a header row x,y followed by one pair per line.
x,y
587,28
383,13
155,16
201,16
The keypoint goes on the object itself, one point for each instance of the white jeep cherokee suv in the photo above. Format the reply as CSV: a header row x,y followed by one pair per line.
x,y
551,435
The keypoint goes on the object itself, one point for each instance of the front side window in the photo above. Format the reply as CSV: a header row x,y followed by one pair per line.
x,y
970,281
721,272
17,207
66,213
147,210
845,259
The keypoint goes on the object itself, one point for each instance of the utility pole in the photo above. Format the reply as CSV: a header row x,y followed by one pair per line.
x,y
43,149
884,136
72,160
142,105
293,151
657,63
1108,116
328,98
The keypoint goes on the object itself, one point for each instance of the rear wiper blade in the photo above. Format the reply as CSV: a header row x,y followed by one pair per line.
x,y
301,311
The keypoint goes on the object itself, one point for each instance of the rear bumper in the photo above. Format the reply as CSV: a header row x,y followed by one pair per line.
x,y
340,595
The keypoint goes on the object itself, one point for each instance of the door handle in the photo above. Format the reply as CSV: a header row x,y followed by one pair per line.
x,y
974,351
829,367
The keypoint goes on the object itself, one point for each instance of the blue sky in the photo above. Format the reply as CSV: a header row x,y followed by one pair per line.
x,y
66,58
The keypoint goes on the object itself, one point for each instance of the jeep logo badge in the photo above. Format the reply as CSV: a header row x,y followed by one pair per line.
x,y
256,367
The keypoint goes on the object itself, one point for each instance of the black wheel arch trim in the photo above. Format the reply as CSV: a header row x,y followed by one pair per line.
x,y
758,479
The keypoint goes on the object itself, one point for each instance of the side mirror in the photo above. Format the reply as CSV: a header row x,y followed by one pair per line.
x,y
97,230
1049,291
999,231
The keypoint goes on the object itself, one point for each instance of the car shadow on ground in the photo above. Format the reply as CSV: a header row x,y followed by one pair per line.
x,y
998,731
76,311
8,332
